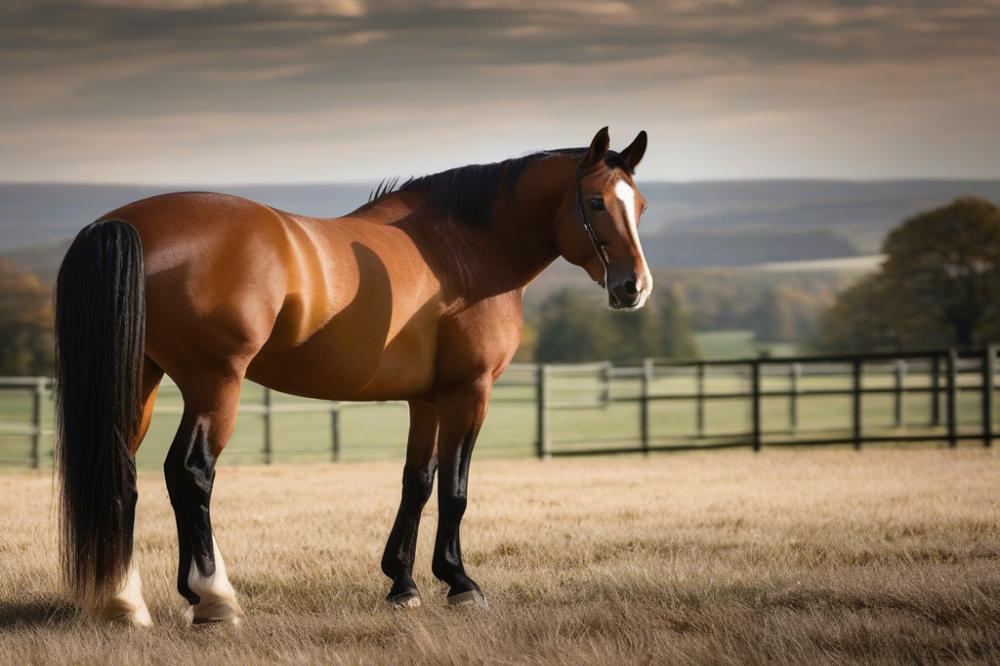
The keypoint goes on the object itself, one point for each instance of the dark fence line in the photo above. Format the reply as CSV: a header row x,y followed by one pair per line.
x,y
542,389
946,362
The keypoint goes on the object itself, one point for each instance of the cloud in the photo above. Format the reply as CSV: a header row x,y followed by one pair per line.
x,y
686,67
306,7
160,5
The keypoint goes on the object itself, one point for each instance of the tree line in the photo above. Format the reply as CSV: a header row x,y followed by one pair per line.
x,y
573,325
25,323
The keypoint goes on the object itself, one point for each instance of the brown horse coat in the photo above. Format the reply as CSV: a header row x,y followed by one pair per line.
x,y
414,296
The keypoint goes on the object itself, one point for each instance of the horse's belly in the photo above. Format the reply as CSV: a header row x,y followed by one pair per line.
x,y
352,365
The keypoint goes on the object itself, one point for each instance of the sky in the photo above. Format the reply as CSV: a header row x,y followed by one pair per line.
x,y
253,91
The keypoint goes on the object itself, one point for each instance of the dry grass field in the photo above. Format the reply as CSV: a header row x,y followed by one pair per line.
x,y
887,556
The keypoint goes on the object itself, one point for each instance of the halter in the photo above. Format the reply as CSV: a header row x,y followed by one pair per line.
x,y
589,228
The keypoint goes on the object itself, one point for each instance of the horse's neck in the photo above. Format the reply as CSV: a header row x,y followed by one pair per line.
x,y
518,244
524,231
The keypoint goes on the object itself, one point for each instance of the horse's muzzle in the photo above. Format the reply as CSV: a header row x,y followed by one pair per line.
x,y
625,294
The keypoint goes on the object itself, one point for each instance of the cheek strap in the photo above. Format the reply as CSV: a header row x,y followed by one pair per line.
x,y
589,228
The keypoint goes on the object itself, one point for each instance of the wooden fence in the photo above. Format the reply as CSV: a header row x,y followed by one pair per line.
x,y
662,405
937,376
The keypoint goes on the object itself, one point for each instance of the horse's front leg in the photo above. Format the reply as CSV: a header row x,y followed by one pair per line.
x,y
460,412
418,481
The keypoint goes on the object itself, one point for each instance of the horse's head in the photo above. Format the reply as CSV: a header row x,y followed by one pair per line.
x,y
598,227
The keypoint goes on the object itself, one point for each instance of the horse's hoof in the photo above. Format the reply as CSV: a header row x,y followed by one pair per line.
x,y
406,599
125,607
471,598
138,618
234,621
214,615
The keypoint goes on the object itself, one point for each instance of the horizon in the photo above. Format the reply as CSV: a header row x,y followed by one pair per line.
x,y
852,211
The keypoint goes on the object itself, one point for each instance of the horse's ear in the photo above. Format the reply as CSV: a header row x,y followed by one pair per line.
x,y
598,147
633,154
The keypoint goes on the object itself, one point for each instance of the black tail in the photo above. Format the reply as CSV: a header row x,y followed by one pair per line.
x,y
100,335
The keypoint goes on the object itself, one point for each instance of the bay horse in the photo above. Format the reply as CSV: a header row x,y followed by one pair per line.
x,y
414,296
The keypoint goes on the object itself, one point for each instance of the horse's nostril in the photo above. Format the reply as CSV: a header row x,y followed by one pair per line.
x,y
630,288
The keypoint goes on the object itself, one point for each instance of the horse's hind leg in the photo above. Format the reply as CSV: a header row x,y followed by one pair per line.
x,y
127,603
152,375
210,406
418,481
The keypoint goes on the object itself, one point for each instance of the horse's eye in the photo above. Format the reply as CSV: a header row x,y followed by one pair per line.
x,y
596,203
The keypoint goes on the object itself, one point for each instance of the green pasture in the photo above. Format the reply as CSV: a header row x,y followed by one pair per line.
x,y
715,345
587,411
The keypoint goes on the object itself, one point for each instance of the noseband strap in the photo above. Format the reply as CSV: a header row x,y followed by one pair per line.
x,y
588,227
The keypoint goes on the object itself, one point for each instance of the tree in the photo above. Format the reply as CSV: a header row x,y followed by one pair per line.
x,y
675,337
939,285
633,335
573,327
25,323
774,317
856,321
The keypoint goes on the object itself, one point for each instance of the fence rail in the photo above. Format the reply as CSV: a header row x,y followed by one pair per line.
x,y
597,408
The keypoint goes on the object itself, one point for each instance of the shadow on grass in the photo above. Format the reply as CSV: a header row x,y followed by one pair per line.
x,y
38,613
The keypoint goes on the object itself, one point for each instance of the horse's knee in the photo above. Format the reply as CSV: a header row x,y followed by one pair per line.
x,y
418,483
452,506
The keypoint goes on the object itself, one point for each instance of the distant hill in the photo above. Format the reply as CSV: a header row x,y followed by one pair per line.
x,y
685,248
731,223
861,212
40,214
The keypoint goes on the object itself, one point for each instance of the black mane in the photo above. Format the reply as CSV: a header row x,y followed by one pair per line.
x,y
467,193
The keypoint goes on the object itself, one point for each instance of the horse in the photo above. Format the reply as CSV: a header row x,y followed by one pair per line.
x,y
414,296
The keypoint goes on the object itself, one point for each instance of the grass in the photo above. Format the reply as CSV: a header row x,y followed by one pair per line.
x,y
727,344
791,556
738,343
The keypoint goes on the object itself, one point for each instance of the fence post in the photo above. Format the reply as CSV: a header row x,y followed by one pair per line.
x,y
646,379
755,407
268,425
541,397
38,396
856,403
699,404
794,375
335,430
952,404
899,382
935,388
605,384
988,388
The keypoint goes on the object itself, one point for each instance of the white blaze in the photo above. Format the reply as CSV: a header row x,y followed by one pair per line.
x,y
627,195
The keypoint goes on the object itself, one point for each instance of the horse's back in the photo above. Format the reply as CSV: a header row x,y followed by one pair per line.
x,y
317,307
184,227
